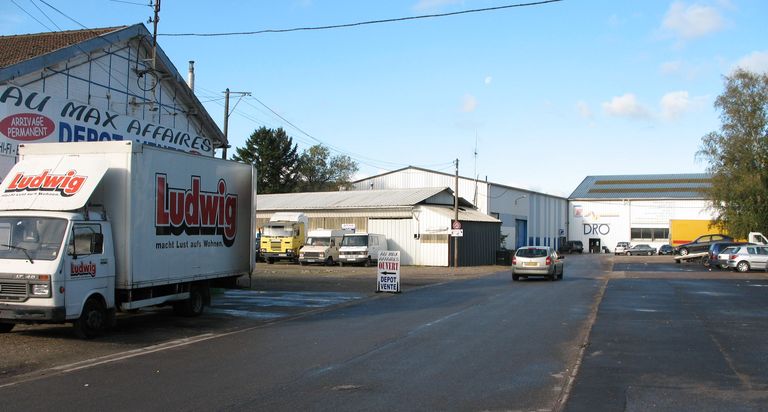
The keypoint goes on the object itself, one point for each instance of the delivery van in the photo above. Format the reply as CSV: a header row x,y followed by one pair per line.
x,y
361,248
322,246
89,229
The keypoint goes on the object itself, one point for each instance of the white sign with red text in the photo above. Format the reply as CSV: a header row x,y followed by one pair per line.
x,y
389,271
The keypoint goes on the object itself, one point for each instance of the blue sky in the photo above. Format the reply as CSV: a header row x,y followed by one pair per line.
x,y
545,95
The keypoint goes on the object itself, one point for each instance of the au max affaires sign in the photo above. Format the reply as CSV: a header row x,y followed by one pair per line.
x,y
27,116
388,279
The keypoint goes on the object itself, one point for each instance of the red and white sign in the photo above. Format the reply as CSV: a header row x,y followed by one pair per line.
x,y
388,271
455,224
56,183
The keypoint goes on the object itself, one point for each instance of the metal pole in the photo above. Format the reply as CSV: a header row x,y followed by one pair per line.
x,y
226,123
456,217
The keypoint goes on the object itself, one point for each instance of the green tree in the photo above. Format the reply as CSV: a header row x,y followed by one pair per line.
x,y
275,158
738,155
319,171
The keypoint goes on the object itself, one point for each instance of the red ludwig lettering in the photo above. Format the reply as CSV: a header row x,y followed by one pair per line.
x,y
84,268
194,211
67,184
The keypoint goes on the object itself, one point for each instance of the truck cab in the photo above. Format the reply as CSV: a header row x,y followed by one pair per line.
x,y
283,236
322,247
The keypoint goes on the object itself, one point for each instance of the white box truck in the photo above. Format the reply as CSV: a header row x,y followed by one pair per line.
x,y
361,248
322,246
88,229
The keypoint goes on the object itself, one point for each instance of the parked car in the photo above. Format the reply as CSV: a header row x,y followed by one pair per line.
x,y
722,257
715,250
572,246
620,248
666,250
641,249
701,244
749,257
537,261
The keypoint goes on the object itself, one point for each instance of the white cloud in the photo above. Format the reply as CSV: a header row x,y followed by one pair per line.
x,y
625,106
690,22
470,104
434,4
756,62
488,80
583,108
674,104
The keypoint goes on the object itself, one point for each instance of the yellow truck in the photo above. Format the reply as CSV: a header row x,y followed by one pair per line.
x,y
686,230
283,236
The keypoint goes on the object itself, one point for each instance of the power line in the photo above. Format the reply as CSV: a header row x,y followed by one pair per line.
x,y
363,23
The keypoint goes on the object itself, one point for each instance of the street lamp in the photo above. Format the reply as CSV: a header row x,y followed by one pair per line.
x,y
521,197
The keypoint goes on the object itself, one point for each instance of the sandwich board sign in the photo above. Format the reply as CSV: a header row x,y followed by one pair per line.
x,y
388,279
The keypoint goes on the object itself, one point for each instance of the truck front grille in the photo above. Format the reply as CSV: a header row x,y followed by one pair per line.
x,y
13,291
311,255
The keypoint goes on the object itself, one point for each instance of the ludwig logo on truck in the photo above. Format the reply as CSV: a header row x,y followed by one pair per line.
x,y
193,211
67,184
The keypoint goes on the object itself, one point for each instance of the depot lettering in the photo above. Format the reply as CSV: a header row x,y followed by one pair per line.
x,y
597,229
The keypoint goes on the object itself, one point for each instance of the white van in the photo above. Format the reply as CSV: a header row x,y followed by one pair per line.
x,y
361,248
322,246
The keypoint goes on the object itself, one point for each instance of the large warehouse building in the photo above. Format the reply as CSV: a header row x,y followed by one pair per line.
x,y
637,209
527,217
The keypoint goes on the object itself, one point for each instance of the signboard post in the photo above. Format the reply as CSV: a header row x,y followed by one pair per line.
x,y
388,279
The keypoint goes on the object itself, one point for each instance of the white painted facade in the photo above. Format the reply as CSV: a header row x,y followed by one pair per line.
x,y
613,221
106,88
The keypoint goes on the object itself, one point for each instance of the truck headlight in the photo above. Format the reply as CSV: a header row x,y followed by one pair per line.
x,y
321,255
41,289
301,255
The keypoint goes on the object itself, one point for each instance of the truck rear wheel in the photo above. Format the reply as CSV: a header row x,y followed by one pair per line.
x,y
192,306
93,320
6,327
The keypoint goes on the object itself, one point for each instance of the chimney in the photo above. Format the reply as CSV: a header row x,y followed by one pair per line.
x,y
191,76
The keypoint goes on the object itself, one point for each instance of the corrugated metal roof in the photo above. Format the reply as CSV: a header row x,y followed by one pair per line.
x,y
466,215
660,186
357,199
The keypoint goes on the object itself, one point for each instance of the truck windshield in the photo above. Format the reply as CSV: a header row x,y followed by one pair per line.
x,y
275,231
355,241
31,238
319,241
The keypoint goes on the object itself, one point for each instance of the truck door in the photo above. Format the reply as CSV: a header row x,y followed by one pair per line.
x,y
88,269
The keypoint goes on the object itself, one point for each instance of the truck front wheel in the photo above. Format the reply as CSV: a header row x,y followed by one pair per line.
x,y
92,321
6,327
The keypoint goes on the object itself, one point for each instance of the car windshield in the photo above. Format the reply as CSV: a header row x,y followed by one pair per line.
x,y
531,253
31,238
355,241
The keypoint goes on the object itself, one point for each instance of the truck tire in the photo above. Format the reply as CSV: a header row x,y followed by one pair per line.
x,y
270,260
93,320
194,305
6,327
329,261
368,262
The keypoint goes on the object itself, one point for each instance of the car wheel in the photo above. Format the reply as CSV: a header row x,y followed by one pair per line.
x,y
742,266
683,251
649,253
628,253
515,277
723,266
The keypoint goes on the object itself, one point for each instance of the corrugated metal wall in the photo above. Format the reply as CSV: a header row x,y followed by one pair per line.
x,y
479,244
400,236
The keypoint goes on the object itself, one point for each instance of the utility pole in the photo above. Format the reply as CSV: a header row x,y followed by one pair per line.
x,y
226,117
154,21
456,217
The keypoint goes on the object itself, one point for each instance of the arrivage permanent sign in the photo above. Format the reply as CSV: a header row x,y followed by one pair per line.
x,y
28,116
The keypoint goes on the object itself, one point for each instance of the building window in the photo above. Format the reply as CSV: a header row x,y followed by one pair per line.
x,y
649,234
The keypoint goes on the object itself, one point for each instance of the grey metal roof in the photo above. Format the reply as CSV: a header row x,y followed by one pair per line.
x,y
465,215
658,186
357,199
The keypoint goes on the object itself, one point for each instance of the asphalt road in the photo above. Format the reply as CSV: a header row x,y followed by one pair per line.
x,y
619,333
477,344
